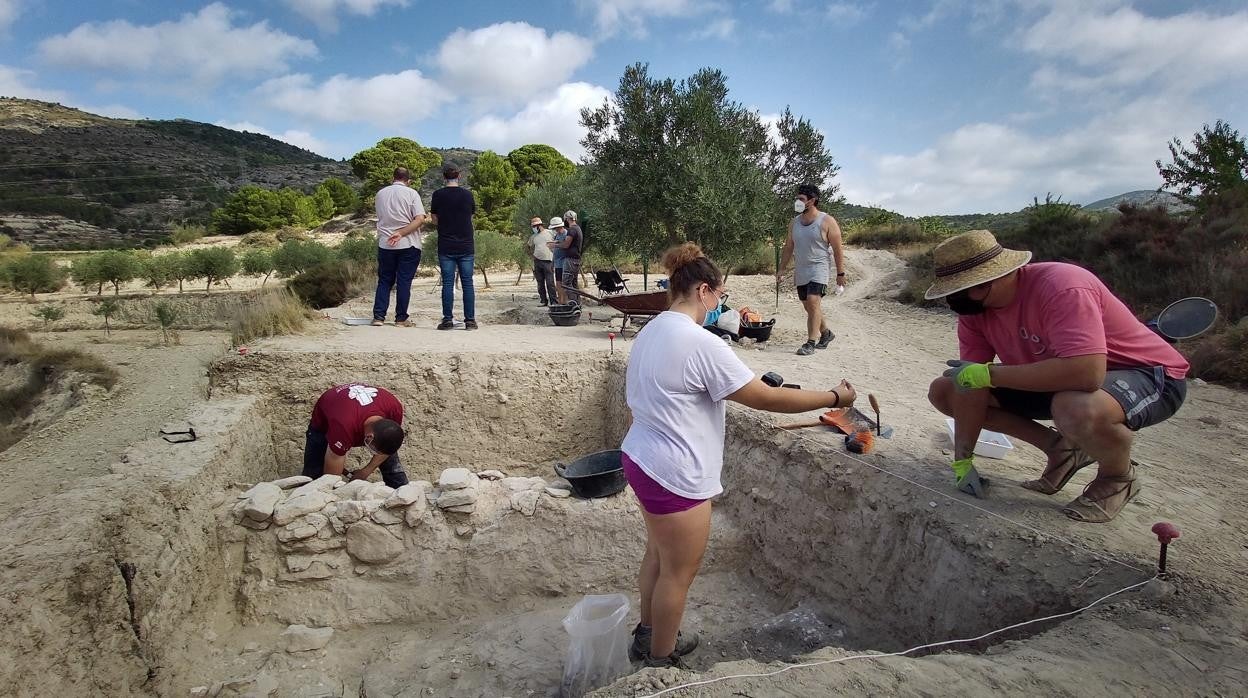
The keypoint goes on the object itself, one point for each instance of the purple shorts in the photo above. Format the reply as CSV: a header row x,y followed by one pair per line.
x,y
654,498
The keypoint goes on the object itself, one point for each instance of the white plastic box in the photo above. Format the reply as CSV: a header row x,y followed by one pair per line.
x,y
991,444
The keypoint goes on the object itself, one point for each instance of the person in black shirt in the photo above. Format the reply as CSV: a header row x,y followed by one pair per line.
x,y
452,207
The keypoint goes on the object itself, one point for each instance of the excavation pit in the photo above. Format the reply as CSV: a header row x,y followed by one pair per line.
x,y
808,550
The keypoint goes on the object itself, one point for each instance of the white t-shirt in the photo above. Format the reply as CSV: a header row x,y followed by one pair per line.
x,y
398,205
678,376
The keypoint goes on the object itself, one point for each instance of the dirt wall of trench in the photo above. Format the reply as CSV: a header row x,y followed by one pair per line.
x,y
100,580
504,411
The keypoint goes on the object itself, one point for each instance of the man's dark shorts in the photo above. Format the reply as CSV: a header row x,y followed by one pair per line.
x,y
1147,395
811,289
571,270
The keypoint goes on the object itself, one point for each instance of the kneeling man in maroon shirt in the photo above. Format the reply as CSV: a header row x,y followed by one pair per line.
x,y
353,415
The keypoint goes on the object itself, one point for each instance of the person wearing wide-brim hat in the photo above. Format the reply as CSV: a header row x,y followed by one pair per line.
x,y
1066,350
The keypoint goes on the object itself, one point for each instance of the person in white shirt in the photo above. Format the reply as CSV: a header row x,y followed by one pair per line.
x,y
677,380
543,261
400,215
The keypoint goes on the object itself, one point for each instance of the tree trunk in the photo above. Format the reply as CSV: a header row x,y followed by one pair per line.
x,y
116,288
106,328
645,275
208,286
99,289
672,239
484,276
266,278
519,277
179,285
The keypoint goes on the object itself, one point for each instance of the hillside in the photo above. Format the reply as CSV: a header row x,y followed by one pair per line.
x,y
1143,197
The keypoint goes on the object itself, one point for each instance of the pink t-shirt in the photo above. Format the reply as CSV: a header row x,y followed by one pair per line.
x,y
1062,311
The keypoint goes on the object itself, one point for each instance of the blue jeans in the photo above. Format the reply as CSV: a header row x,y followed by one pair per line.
x,y
314,447
395,268
449,264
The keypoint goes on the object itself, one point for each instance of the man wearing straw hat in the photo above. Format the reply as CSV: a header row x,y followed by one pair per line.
x,y
1067,350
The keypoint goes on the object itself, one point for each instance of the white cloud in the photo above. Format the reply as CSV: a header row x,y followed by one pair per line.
x,y
846,13
612,16
510,61
295,137
113,111
388,100
204,47
783,7
554,120
9,10
324,13
771,123
1099,48
898,42
14,82
722,28
995,167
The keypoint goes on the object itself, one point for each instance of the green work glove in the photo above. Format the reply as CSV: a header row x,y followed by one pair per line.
x,y
968,479
968,375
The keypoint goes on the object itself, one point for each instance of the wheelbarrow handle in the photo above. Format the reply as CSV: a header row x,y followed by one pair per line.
x,y
560,469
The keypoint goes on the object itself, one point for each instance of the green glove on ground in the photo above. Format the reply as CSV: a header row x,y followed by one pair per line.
x,y
968,375
968,479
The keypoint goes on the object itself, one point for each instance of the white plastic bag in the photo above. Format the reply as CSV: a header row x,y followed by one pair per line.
x,y
598,648
729,321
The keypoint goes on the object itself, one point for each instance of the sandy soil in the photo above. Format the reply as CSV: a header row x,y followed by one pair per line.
x,y
1188,637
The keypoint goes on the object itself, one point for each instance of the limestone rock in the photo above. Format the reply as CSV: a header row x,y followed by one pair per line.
x,y
297,531
353,490
456,498
255,525
525,502
292,482
353,510
415,513
456,479
199,692
302,568
387,517
520,484
339,526
372,543
463,509
316,545
558,492
318,521
302,505
491,475
560,484
260,503
301,638
324,483
405,495
379,491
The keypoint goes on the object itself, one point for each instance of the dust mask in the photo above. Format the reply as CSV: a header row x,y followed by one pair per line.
x,y
799,206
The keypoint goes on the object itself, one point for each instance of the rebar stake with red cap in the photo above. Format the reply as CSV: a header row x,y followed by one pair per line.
x,y
1165,532
611,336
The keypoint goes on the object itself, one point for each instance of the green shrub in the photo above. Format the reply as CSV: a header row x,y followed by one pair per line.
x,y
290,232
107,309
160,270
49,314
1222,355
298,256
892,234
260,238
258,262
327,285
186,233
212,264
165,315
359,251
760,260
34,273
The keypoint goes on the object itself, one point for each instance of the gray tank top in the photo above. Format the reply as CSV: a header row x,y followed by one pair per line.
x,y
811,252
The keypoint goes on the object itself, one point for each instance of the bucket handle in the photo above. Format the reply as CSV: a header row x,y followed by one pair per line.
x,y
560,469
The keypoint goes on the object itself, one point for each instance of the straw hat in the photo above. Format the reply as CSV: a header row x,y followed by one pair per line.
x,y
556,222
536,220
971,259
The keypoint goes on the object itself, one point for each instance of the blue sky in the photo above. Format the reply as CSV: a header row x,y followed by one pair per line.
x,y
929,106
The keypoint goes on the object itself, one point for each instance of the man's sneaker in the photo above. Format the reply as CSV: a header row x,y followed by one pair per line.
x,y
446,324
806,349
378,323
641,643
404,323
545,304
470,324
825,339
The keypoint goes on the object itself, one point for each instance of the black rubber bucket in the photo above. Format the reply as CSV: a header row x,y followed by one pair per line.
x,y
597,475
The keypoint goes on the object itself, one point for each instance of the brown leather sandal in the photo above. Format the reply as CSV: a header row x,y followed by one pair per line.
x,y
1086,509
1074,461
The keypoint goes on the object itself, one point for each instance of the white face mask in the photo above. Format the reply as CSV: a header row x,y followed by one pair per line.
x,y
799,206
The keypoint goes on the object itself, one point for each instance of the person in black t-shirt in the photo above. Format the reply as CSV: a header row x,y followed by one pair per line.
x,y
452,207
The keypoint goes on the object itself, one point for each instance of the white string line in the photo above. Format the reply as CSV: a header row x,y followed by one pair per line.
x,y
957,500
840,660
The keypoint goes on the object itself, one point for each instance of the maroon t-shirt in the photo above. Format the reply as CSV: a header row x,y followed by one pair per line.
x,y
340,413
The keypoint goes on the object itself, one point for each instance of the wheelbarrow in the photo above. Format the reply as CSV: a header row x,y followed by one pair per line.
x,y
632,306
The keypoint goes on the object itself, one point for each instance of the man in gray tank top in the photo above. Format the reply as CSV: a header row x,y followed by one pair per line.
x,y
814,242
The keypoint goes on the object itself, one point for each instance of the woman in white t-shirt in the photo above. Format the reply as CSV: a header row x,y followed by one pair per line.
x,y
678,378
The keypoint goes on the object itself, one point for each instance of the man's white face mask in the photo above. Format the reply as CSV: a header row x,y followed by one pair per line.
x,y
799,206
